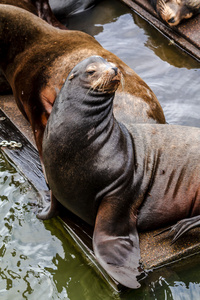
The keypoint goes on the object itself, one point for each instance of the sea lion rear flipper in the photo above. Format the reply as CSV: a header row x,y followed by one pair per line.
x,y
50,210
44,12
182,227
116,244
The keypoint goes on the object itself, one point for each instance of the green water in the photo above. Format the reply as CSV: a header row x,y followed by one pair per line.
x,y
38,260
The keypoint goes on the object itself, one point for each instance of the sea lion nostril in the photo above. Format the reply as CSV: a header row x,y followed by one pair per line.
x,y
115,69
172,20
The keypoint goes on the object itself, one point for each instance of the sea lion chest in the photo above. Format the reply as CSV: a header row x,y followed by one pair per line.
x,y
87,165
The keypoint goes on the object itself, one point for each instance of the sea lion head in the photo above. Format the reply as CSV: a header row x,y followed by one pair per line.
x,y
97,75
174,11
86,98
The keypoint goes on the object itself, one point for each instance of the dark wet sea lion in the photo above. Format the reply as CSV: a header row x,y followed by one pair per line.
x,y
120,179
44,12
71,7
36,59
174,11
43,9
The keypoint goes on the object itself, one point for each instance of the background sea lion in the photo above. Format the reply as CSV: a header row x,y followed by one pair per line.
x,y
36,58
43,9
118,178
44,12
71,7
174,11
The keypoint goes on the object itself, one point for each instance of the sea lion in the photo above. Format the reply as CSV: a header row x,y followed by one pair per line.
x,y
44,12
71,7
174,11
119,178
36,59
43,9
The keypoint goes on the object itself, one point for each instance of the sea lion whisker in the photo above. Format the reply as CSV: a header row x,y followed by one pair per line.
x,y
89,90
122,81
161,4
105,82
102,84
194,4
162,7
97,83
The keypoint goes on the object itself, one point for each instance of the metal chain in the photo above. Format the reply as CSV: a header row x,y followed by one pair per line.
x,y
11,144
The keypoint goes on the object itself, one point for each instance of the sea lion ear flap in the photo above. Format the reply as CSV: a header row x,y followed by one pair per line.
x,y
116,245
72,75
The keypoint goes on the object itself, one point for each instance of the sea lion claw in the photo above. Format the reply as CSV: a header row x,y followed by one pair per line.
x,y
163,231
50,209
181,227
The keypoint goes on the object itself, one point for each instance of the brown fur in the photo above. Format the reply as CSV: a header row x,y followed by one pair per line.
x,y
174,11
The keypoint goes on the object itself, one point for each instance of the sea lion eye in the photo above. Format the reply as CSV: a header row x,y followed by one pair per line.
x,y
91,69
91,72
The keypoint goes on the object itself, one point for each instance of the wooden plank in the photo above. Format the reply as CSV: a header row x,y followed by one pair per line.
x,y
25,158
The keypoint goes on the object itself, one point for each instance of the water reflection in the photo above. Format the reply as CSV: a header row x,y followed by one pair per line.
x,y
164,48
93,20
178,282
38,259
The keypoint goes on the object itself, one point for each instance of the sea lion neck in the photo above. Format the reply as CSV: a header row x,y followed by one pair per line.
x,y
87,114
87,98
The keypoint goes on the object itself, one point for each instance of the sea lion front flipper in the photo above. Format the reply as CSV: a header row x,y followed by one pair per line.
x,y
44,12
50,210
116,244
182,227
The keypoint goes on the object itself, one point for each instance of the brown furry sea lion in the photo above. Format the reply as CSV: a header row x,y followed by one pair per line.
x,y
36,59
174,11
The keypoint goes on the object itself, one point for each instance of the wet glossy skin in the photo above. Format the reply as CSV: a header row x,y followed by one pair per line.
x,y
36,59
70,7
123,179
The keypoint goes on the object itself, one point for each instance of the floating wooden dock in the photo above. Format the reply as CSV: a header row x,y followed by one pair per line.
x,y
186,35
